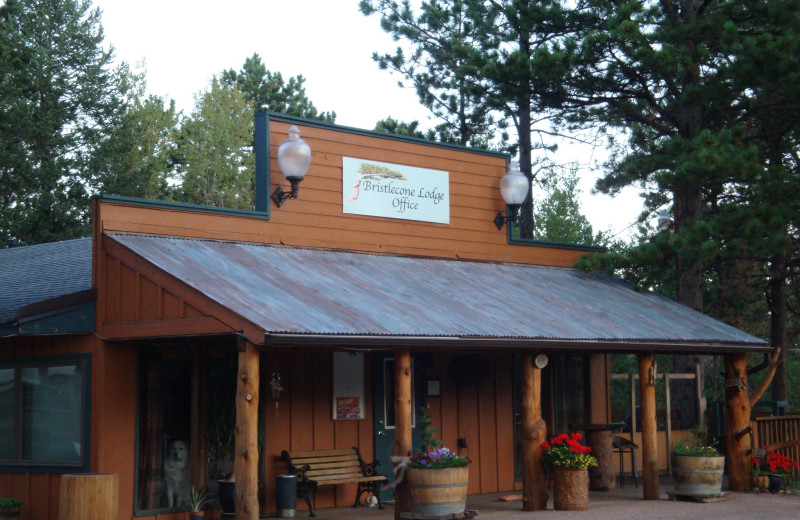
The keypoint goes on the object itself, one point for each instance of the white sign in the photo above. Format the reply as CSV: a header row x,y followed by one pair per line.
x,y
395,191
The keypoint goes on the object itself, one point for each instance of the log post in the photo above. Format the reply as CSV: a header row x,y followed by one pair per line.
x,y
245,461
402,424
89,495
737,420
534,431
647,402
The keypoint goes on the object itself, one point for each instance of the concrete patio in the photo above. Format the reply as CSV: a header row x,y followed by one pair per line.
x,y
615,505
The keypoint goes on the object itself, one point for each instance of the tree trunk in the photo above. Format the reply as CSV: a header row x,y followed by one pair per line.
x,y
647,398
737,422
687,205
777,307
402,424
245,462
534,431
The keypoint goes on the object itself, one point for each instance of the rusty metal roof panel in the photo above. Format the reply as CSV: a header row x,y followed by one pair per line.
x,y
303,291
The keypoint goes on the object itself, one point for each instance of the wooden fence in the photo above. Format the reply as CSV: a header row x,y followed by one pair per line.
x,y
782,434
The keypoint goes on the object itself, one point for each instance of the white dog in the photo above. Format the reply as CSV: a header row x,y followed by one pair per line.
x,y
176,474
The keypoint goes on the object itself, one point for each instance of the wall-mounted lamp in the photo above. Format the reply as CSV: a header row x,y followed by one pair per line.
x,y
514,187
294,158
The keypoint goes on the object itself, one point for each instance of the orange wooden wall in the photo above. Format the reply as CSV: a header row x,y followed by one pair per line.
x,y
113,408
483,415
316,218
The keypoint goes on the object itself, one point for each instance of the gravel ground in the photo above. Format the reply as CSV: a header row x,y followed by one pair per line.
x,y
619,504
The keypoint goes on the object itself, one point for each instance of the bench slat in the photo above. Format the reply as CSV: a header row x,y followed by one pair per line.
x,y
334,471
313,460
334,481
321,453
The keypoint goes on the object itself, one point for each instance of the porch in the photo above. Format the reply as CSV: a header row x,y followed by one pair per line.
x,y
614,505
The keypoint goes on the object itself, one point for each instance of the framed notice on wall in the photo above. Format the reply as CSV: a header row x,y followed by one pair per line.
x,y
348,385
395,191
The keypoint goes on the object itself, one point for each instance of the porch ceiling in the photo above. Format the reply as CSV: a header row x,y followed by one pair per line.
x,y
304,297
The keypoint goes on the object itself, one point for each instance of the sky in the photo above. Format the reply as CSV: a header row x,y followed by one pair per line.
x,y
183,43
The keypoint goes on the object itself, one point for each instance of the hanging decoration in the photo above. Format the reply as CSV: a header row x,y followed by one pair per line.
x,y
275,384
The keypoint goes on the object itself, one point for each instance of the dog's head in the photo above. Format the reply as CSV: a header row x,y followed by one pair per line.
x,y
179,453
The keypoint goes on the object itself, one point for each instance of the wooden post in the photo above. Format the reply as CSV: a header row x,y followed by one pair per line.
x,y
647,402
402,424
534,431
634,421
668,421
737,422
245,461
89,495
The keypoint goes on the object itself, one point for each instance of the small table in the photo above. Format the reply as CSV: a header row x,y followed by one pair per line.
x,y
598,437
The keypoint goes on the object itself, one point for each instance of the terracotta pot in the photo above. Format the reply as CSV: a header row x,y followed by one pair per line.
x,y
437,491
697,475
570,489
196,515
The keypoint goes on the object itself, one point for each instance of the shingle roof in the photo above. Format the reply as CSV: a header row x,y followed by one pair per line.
x,y
314,292
32,274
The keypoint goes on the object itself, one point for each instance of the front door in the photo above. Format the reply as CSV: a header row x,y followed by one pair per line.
x,y
383,414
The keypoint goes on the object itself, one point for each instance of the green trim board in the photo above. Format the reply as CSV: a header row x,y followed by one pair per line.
x,y
295,120
182,206
545,243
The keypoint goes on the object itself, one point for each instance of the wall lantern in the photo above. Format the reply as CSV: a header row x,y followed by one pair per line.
x,y
514,187
294,158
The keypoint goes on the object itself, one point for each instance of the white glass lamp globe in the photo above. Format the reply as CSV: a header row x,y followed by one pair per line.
x,y
294,156
514,186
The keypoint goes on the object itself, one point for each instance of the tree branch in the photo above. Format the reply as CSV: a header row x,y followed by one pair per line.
x,y
774,363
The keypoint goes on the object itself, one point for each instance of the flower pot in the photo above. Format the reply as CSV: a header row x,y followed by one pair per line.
x,y
570,489
775,483
226,493
760,481
437,491
697,475
196,515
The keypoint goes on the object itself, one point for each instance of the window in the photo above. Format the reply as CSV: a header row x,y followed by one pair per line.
x,y
165,417
44,421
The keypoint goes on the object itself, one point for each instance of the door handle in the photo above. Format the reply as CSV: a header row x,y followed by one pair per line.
x,y
381,433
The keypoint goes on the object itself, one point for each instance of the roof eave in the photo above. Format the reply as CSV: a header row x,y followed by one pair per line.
x,y
383,342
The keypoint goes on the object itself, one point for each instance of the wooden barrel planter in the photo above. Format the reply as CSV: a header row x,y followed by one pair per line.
x,y
697,475
89,495
437,491
570,489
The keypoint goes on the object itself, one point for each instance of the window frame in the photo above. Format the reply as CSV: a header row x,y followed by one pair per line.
x,y
18,465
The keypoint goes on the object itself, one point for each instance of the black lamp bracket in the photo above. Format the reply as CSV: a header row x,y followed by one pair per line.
x,y
500,219
279,196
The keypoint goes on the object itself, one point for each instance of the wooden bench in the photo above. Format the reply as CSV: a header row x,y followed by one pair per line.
x,y
331,467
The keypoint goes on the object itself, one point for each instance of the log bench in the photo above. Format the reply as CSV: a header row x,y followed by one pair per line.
x,y
331,467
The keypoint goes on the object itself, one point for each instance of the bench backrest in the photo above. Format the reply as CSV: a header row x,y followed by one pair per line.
x,y
328,464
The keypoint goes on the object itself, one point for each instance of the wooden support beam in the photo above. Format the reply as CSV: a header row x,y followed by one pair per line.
x,y
737,422
647,403
245,462
534,431
402,424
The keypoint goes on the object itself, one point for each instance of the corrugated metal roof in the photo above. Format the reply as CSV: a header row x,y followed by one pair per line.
x,y
32,274
301,291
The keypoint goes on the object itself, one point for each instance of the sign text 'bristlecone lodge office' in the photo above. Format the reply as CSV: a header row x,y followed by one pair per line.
x,y
395,191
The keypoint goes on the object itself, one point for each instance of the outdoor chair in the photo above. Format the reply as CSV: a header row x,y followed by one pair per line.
x,y
622,445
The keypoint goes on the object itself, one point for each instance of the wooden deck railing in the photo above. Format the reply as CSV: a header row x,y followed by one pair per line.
x,y
782,434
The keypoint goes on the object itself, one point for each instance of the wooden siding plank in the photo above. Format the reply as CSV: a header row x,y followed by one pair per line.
x,y
345,436
277,422
505,421
148,299
487,432
450,406
468,429
302,403
128,285
170,305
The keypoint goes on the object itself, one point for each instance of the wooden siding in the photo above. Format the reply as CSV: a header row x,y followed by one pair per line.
x,y
136,300
112,430
316,218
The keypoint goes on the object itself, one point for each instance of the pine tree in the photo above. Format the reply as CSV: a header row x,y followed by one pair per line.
x,y
218,166
267,90
56,92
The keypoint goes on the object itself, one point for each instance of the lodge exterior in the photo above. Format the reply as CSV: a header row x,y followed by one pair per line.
x,y
310,311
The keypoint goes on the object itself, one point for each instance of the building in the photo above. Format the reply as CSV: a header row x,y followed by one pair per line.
x,y
124,353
